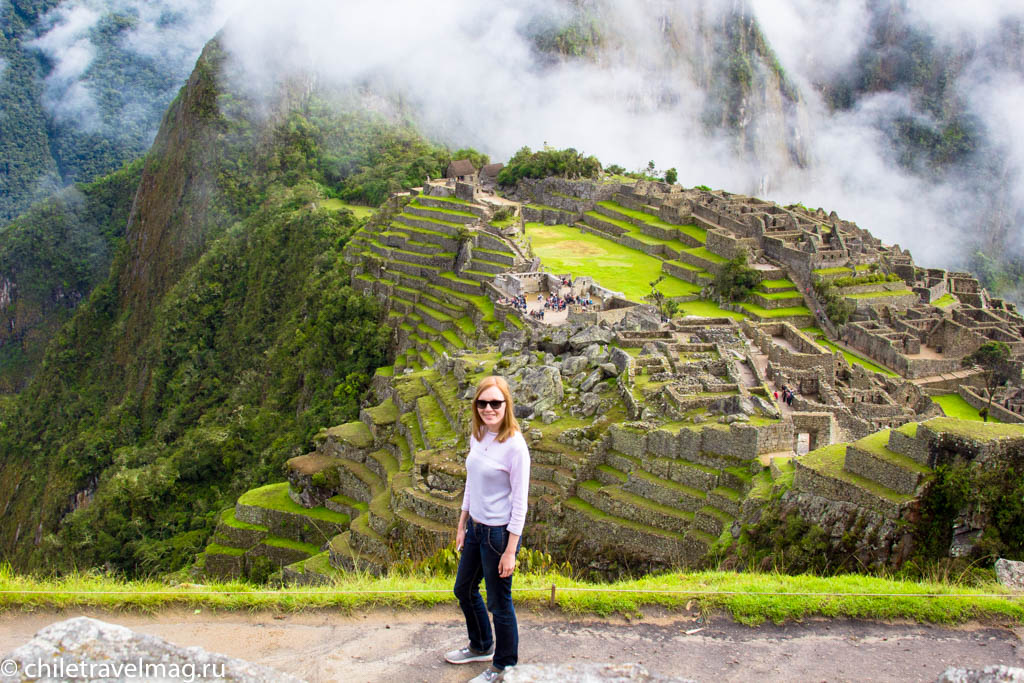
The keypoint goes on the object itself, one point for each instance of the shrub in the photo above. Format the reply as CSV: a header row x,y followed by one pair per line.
x,y
837,308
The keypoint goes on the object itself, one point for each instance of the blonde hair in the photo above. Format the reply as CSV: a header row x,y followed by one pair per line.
x,y
509,426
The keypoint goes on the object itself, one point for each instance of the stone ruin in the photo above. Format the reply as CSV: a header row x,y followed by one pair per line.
x,y
650,438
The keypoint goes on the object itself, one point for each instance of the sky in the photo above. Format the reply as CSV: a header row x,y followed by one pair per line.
x,y
471,74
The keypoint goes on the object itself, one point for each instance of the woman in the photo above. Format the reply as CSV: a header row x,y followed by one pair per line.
x,y
490,528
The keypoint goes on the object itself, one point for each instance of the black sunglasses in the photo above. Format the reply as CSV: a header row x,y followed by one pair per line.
x,y
481,404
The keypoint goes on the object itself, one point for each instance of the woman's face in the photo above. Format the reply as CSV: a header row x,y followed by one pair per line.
x,y
490,416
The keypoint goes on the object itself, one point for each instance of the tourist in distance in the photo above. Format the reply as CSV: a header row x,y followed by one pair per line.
x,y
490,528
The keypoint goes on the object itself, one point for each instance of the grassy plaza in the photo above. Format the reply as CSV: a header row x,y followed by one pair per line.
x,y
564,249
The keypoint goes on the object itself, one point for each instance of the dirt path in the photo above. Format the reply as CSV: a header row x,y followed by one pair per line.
x,y
388,645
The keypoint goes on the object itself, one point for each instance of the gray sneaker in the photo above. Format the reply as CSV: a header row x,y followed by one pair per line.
x,y
490,675
468,654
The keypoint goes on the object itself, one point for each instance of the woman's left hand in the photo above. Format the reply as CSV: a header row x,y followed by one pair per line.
x,y
506,565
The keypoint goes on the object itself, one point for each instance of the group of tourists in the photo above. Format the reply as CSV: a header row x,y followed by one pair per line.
x,y
787,396
558,303
518,302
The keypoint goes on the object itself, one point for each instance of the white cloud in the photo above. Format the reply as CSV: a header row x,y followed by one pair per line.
x,y
471,76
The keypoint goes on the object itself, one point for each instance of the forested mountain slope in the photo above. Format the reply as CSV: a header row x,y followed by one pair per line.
x,y
225,335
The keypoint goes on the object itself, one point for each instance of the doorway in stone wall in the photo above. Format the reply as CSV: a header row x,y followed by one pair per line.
x,y
803,443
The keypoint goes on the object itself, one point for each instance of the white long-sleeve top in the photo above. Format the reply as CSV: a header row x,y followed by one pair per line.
x,y
498,481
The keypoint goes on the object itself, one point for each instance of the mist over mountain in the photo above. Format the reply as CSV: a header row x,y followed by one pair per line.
x,y
899,114
85,84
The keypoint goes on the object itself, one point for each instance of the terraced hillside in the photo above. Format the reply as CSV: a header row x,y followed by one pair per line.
x,y
651,441
873,486
411,259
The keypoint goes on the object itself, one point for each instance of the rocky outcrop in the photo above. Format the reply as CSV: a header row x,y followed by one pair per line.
x,y
89,649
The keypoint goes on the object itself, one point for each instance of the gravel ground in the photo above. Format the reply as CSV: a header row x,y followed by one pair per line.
x,y
387,645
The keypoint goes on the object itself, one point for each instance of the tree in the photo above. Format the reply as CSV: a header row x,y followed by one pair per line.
x,y
735,280
671,176
479,159
666,306
992,357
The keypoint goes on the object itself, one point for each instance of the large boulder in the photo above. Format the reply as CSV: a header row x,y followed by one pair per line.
x,y
587,405
591,380
512,341
540,388
512,364
89,649
574,365
596,353
1010,574
552,340
588,336
640,319
620,358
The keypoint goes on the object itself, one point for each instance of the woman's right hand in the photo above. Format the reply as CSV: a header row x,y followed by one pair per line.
x,y
460,536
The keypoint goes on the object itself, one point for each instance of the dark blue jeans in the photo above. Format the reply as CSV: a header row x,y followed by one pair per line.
x,y
480,554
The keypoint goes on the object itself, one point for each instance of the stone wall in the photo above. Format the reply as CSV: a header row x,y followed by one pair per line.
x,y
548,216
726,245
997,411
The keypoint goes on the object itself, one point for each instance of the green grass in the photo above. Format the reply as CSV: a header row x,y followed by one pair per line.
x,y
355,433
749,598
279,542
832,271
703,253
878,444
974,430
707,309
227,517
853,358
275,497
567,250
830,460
777,284
945,300
359,211
792,294
451,200
880,294
955,406
775,312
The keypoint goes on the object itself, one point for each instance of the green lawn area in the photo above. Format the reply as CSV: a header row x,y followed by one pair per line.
x,y
955,406
359,211
703,253
945,300
776,284
879,294
833,271
852,358
637,234
567,250
707,309
776,312
791,294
